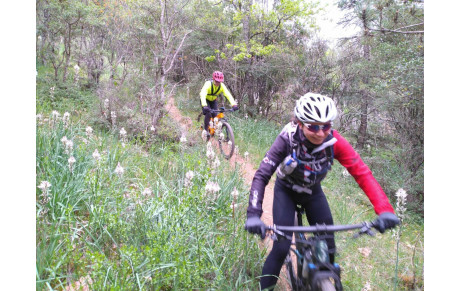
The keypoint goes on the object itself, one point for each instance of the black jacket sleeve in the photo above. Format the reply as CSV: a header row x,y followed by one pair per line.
x,y
275,155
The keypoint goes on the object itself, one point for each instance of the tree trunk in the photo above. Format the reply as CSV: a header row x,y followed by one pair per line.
x,y
364,109
362,132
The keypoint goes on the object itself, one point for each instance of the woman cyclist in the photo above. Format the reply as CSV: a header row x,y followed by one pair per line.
x,y
208,96
302,154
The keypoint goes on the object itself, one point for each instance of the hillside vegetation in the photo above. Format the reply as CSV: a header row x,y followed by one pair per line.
x,y
123,213
126,200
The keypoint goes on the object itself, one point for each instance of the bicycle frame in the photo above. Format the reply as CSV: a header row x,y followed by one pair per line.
x,y
226,139
220,116
313,265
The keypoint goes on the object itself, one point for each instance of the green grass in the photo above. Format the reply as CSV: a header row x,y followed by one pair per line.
x,y
99,224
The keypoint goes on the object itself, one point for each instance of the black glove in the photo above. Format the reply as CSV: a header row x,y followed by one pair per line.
x,y
235,107
255,225
206,109
386,221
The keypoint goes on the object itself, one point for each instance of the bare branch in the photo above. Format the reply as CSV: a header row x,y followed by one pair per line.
x,y
398,30
177,51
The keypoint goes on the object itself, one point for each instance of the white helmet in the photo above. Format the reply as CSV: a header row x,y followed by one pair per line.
x,y
313,107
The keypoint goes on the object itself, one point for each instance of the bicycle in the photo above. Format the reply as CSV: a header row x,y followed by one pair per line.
x,y
219,126
313,272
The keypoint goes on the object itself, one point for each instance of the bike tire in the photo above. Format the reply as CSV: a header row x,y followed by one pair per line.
x,y
226,149
290,272
326,285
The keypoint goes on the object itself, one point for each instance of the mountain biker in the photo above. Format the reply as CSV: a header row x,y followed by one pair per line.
x,y
302,154
208,96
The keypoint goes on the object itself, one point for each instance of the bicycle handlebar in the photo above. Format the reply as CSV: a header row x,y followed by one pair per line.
x,y
365,228
222,109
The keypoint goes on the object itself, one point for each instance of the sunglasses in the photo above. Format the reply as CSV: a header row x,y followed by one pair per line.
x,y
318,127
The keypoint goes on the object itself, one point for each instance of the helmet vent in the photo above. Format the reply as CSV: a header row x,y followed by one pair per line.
x,y
318,112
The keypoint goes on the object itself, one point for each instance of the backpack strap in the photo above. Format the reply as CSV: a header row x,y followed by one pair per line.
x,y
212,91
290,129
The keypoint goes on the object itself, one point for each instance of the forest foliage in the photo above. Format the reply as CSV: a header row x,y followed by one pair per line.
x,y
135,54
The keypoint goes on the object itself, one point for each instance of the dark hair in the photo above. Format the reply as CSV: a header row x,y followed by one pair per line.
x,y
295,120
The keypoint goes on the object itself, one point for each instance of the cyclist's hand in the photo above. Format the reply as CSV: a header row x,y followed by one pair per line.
x,y
235,107
255,225
386,220
206,109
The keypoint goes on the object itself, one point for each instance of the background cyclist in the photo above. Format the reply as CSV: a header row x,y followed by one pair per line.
x,y
208,96
302,154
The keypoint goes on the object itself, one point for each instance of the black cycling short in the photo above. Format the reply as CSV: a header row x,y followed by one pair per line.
x,y
207,117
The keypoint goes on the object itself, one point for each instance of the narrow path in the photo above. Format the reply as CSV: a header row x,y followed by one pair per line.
x,y
248,171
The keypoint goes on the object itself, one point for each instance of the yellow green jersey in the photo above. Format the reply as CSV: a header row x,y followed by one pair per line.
x,y
210,92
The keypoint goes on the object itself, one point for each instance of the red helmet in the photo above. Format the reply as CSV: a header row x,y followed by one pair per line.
x,y
218,76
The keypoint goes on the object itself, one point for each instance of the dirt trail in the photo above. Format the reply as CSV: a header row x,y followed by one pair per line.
x,y
248,171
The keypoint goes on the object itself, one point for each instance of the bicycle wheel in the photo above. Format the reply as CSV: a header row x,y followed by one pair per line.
x,y
326,285
289,262
227,142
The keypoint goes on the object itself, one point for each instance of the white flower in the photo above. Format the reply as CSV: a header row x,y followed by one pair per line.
x,y
44,186
89,131
367,287
246,155
210,154
39,117
113,114
64,140
209,146
189,175
71,161
96,155
204,135
216,120
55,115
216,163
219,125
230,143
345,173
212,187
106,104
152,128
147,192
246,116
122,132
235,205
235,193
76,68
401,196
211,124
221,136
68,146
183,138
66,117
188,179
119,170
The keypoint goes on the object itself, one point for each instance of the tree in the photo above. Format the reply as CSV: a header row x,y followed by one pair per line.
x,y
392,75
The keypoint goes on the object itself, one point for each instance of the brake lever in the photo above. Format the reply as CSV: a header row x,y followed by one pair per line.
x,y
366,229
